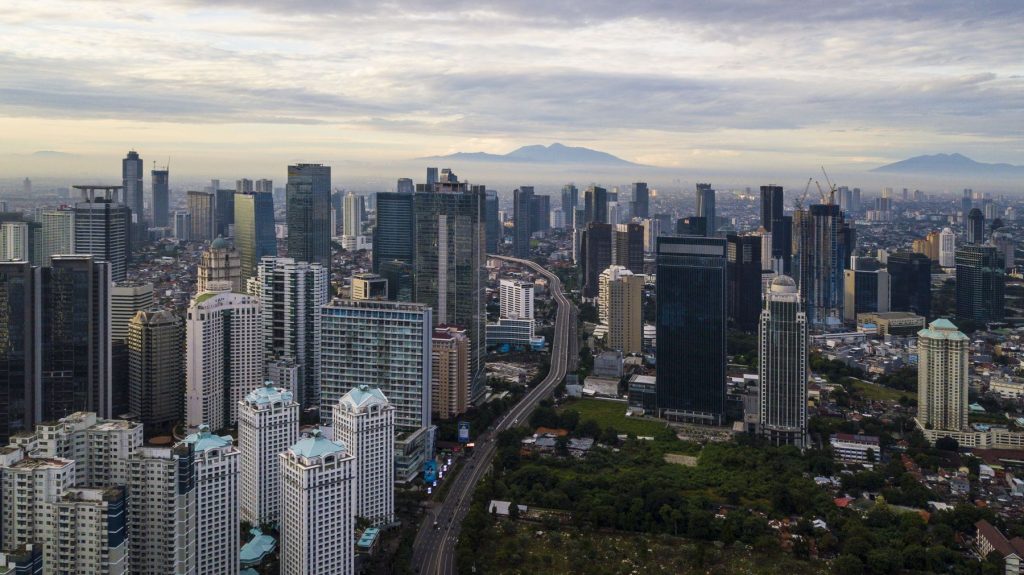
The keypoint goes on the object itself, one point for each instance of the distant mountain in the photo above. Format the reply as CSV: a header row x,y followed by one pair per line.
x,y
538,154
52,154
950,165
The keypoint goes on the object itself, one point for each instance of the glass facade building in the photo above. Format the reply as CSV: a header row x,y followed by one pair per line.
x,y
910,280
18,369
308,203
161,197
392,236
254,230
980,283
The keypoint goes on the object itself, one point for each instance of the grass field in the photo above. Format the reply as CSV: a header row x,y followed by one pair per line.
x,y
613,413
878,392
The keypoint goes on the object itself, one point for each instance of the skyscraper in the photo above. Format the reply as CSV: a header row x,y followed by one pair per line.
x,y
431,177
570,201
493,223
156,371
947,248
405,186
942,377
58,233
782,366
15,241
620,306
691,328
309,213
596,255
449,257
127,299
369,286
268,424
317,507
641,200
450,378
980,283
706,207
866,289
540,206
393,233
819,262
224,212
254,230
628,247
182,226
522,201
291,294
910,281
743,256
354,214
515,299
595,205
975,227
220,267
216,482
223,356
202,207
337,213
19,329
263,186
364,422
131,180
162,510
161,196
103,228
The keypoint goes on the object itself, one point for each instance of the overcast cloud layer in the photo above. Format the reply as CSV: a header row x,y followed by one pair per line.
x,y
722,85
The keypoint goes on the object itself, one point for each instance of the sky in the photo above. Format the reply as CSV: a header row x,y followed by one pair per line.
x,y
241,88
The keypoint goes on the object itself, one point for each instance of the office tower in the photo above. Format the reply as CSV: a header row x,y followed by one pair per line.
x,y
216,469
522,202
431,177
910,280
980,283
515,299
338,213
743,257
58,233
75,314
162,510
691,328
15,242
596,255
975,230
819,261
317,507
223,356
652,229
450,276
354,214
557,219
866,288
706,207
641,200
161,196
224,212
268,424
131,181
364,422
493,223
203,208
595,205
782,366
540,207
369,286
291,294
570,201
102,229
126,299
450,378
309,213
183,226
156,371
399,276
620,307
942,377
19,369
254,230
1006,247
393,233
405,186
773,220
692,226
628,247
219,268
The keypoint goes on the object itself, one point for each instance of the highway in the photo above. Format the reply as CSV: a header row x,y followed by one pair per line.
x,y
434,549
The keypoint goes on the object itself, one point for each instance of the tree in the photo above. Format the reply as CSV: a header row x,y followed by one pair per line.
x,y
513,511
871,455
946,443
589,428
848,565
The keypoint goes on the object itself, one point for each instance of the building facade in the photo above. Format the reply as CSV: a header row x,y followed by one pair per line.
x,y
216,468
620,307
220,267
254,230
515,299
103,230
156,370
942,378
364,422
308,202
980,283
202,207
782,366
268,424
449,374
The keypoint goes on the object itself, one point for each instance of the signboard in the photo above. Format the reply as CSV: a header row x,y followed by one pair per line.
x,y
463,432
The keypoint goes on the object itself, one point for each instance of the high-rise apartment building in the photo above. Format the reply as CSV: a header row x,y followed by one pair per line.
x,y
706,207
103,229
980,283
127,299
820,252
203,208
161,197
291,294
743,257
393,232
522,202
450,378
58,234
19,328
220,268
156,371
782,366
691,328
182,226
515,299
15,242
620,306
268,424
355,213
224,356
309,213
216,466
254,230
317,507
243,186
942,377
162,510
595,206
866,289
364,422
641,200
910,281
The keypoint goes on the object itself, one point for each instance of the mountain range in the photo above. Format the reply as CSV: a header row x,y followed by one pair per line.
x,y
950,165
538,154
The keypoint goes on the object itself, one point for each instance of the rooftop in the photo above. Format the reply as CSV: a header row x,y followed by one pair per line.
x,y
267,394
942,328
203,439
363,396
316,445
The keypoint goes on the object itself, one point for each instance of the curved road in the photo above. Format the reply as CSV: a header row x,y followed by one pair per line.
x,y
434,549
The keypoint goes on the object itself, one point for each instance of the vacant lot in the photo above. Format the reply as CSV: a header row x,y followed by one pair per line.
x,y
878,392
613,413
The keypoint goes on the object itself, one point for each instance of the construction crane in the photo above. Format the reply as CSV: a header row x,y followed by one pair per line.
x,y
798,203
831,188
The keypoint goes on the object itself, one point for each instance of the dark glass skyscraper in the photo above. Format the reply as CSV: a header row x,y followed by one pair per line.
x,y
692,226
393,233
595,205
706,207
103,229
910,277
980,283
224,212
820,251
744,284
975,226
254,229
596,255
540,206
308,204
641,200
161,197
523,212
20,337
773,220
570,200
131,180
628,247
691,328
493,222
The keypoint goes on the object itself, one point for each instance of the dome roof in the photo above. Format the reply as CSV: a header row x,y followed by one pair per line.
x,y
220,244
783,284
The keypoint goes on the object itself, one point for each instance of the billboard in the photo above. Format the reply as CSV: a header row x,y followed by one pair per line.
x,y
463,432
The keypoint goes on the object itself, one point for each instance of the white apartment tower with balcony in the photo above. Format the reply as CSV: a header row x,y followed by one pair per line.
x,y
268,424
364,421
942,377
216,469
516,299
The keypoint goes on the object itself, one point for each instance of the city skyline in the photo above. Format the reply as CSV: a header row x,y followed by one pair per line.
x,y
726,88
